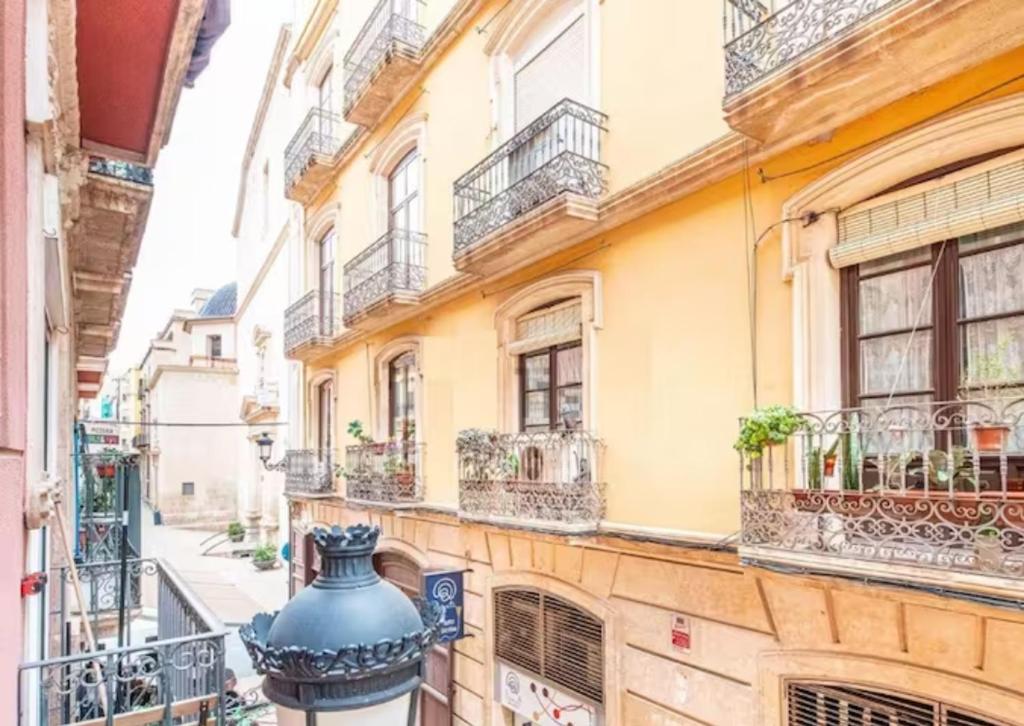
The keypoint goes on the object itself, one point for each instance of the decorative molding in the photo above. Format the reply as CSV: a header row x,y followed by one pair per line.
x,y
317,22
381,383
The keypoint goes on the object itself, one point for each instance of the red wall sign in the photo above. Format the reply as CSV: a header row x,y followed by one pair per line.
x,y
681,633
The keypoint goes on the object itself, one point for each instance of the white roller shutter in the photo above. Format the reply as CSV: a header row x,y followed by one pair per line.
x,y
981,197
556,72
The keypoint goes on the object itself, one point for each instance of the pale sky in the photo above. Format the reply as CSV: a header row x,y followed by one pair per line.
x,y
187,242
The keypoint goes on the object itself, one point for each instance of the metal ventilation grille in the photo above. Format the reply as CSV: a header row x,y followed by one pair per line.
x,y
812,704
549,637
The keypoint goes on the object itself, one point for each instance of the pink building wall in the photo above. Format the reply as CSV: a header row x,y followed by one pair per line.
x,y
13,344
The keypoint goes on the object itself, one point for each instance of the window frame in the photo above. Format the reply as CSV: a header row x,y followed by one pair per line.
x,y
410,377
552,388
214,346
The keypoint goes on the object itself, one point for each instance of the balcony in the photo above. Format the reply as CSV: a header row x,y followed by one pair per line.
x,y
390,273
172,671
309,472
533,194
383,58
931,492
800,68
310,155
547,481
386,474
140,441
311,324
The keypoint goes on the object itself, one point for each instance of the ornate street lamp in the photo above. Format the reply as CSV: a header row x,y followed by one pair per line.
x,y
347,649
265,444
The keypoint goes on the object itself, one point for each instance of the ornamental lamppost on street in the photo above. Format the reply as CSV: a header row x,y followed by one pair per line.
x,y
348,649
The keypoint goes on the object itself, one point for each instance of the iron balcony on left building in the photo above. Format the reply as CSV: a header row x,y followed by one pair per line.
x,y
311,324
310,471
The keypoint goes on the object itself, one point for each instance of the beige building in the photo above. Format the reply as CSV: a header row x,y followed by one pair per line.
x,y
190,380
552,252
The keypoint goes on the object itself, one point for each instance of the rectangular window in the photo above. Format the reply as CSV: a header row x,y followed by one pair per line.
x,y
188,488
556,72
551,383
213,346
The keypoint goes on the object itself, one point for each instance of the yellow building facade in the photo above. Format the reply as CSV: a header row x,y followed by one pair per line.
x,y
555,250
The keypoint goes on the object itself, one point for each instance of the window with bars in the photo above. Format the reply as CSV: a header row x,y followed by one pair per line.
x,y
551,638
817,704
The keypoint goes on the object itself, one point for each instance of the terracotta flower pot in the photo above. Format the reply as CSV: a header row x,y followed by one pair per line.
x,y
830,465
990,438
105,471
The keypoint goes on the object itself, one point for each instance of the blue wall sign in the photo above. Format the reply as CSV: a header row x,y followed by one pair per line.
x,y
446,589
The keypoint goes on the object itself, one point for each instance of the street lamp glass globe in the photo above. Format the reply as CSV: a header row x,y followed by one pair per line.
x,y
265,444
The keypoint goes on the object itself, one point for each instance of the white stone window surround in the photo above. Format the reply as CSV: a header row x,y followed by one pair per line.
x,y
524,29
988,127
382,389
321,223
582,284
409,135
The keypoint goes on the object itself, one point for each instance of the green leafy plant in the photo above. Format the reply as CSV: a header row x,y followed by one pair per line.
x,y
235,529
356,431
768,426
264,553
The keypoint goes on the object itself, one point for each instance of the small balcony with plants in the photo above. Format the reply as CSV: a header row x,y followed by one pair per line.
x,y
311,324
926,491
382,60
534,195
309,472
311,154
539,480
388,275
799,68
383,473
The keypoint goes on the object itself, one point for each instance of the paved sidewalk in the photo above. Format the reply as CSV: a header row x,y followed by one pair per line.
x,y
229,586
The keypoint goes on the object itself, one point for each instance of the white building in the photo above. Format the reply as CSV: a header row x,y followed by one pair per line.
x,y
266,226
190,379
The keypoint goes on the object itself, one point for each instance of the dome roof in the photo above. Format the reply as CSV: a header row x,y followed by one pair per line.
x,y
221,303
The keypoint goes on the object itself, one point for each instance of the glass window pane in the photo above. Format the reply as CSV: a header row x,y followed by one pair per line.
x,y
993,352
894,301
921,255
880,363
538,372
570,365
570,407
991,237
537,408
992,282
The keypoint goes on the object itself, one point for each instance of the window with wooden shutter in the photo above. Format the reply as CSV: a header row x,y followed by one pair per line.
x,y
558,71
552,638
815,704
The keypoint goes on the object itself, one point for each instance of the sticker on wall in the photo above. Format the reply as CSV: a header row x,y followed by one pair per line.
x,y
540,703
681,633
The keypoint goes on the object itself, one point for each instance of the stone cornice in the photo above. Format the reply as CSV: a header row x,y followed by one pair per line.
x,y
317,22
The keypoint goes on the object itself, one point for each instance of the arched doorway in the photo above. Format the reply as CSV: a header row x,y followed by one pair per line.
x,y
436,691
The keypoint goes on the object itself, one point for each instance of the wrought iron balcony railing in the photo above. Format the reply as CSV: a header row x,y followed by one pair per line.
x,y
315,318
309,471
140,441
545,480
123,170
559,152
319,134
178,677
763,37
384,473
937,485
389,26
396,264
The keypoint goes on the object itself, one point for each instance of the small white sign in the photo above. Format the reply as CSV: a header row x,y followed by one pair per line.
x,y
680,633
541,704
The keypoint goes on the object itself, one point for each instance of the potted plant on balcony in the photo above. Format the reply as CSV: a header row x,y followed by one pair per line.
x,y
356,431
988,549
765,427
236,532
984,382
264,557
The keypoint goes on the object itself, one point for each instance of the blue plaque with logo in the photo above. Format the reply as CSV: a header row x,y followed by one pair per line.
x,y
446,589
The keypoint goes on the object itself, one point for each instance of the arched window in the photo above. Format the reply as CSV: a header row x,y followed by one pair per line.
x,y
549,339
325,281
552,639
325,416
404,194
402,397
812,704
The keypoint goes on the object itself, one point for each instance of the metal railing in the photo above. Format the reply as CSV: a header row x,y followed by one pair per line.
x,y
176,674
531,479
390,25
313,318
101,503
937,485
384,473
558,152
123,170
309,471
140,441
319,134
395,263
763,37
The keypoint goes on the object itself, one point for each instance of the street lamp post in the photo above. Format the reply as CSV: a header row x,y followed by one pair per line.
x,y
349,648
